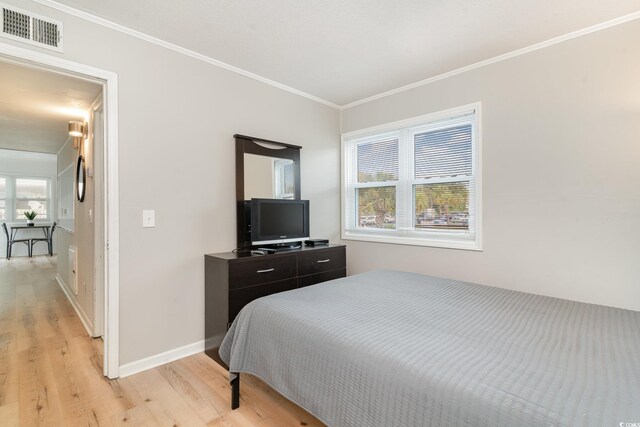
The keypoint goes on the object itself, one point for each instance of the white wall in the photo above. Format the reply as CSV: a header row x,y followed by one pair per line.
x,y
23,163
561,164
177,117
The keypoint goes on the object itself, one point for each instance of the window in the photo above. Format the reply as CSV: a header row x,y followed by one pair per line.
x,y
32,195
283,182
19,195
415,182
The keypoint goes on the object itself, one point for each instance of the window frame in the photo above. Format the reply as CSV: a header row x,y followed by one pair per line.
x,y
7,193
405,232
11,198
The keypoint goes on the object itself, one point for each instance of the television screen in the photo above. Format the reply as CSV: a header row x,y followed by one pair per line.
x,y
279,221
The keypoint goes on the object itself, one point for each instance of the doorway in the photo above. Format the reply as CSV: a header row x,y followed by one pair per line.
x,y
99,219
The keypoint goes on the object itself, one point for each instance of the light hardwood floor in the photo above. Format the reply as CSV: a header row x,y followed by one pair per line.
x,y
51,371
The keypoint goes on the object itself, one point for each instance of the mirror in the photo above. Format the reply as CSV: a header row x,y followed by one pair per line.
x,y
268,177
81,178
265,169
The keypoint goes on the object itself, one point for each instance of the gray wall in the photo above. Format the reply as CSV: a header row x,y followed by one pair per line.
x,y
177,116
561,167
65,232
80,235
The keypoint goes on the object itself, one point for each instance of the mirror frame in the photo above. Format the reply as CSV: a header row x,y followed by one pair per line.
x,y
81,172
251,145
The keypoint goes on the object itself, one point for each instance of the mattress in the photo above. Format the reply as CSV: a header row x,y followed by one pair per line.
x,y
389,348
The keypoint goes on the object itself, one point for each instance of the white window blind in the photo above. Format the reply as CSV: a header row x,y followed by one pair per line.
x,y
415,182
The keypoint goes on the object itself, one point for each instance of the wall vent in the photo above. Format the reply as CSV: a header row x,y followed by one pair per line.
x,y
27,27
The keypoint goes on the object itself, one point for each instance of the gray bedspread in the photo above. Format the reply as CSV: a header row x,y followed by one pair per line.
x,y
389,348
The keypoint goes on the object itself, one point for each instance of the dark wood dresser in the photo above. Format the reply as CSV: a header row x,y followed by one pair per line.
x,y
232,280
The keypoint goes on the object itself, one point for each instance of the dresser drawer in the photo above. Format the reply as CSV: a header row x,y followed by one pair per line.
x,y
238,298
234,279
317,261
312,279
261,270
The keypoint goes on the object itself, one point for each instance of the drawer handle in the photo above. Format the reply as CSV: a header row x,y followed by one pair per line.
x,y
268,270
322,261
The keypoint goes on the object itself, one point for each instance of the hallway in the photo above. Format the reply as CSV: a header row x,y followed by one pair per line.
x,y
51,370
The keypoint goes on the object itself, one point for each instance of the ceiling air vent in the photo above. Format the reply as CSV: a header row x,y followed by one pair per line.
x,y
30,28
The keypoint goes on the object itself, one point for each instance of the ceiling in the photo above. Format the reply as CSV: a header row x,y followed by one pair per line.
x,y
343,51
36,106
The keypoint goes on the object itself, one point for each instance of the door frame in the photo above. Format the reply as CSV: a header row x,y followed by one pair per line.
x,y
98,216
111,248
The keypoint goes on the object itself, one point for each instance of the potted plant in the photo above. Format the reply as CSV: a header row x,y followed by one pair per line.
x,y
31,215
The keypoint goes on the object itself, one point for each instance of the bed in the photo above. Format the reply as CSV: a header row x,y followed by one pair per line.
x,y
389,348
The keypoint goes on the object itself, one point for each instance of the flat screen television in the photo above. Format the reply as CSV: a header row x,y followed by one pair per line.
x,y
279,221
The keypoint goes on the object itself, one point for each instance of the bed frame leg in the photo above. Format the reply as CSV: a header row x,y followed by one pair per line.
x,y
235,392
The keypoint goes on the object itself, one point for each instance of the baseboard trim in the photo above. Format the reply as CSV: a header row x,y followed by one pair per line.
x,y
79,311
161,358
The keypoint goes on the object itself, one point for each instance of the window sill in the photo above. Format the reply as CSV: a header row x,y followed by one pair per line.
x,y
445,243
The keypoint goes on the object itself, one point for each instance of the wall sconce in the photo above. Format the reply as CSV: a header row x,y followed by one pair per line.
x,y
77,130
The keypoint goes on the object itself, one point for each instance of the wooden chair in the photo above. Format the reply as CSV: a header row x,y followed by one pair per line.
x,y
10,242
49,240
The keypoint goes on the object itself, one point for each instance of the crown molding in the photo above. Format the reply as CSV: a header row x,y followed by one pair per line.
x,y
179,49
499,58
142,36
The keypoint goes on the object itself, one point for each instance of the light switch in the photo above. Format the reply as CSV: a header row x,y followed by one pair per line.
x,y
148,218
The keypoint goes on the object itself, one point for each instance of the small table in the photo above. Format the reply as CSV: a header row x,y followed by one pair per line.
x,y
44,227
